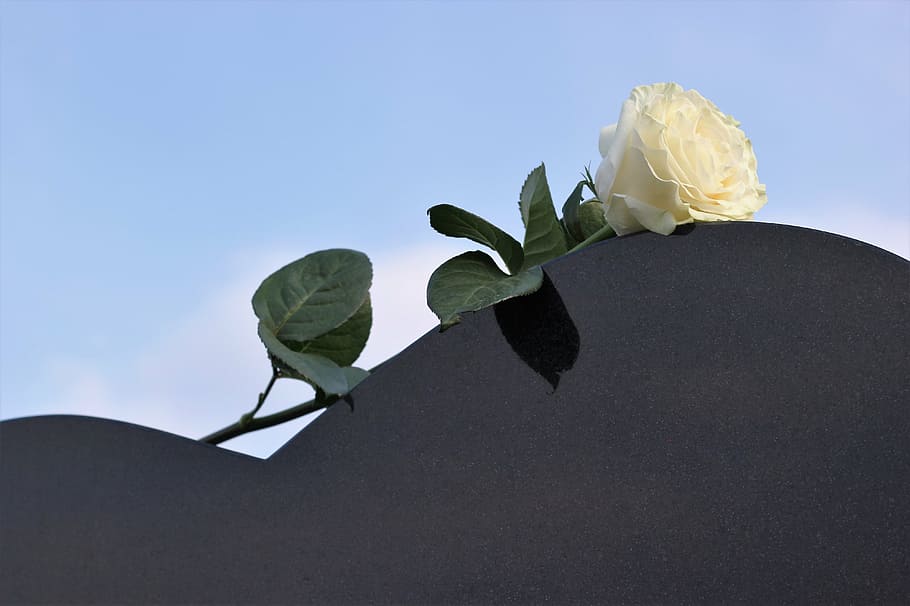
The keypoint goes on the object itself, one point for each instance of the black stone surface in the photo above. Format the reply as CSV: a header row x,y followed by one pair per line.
x,y
726,421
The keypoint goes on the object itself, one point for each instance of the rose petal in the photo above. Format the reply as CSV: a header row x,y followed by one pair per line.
x,y
607,134
699,215
637,178
620,218
652,219
627,118
603,179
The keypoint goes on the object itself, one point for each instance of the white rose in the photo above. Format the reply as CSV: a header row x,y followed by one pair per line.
x,y
674,158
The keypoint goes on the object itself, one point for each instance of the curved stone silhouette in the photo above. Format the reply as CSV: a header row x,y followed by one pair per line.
x,y
734,427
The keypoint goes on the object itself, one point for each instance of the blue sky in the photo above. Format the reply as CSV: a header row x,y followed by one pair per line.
x,y
158,159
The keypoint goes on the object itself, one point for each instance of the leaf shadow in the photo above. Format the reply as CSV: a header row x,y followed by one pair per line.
x,y
540,330
349,400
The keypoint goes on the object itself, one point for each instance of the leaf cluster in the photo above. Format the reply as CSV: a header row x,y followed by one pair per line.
x,y
315,318
473,281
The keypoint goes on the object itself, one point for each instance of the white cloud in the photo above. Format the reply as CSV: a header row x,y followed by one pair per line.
x,y
400,311
208,366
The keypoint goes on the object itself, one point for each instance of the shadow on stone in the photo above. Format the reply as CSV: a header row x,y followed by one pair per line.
x,y
682,230
540,331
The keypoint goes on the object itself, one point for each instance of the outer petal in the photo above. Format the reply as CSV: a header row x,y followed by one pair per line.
x,y
603,179
627,118
620,218
607,134
640,200
703,216
651,218
636,178
606,172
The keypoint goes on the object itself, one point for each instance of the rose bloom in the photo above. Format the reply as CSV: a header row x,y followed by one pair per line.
x,y
674,158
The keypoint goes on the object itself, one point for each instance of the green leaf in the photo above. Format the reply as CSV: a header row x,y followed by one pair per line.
x,y
570,241
313,295
343,344
591,218
472,281
354,375
544,239
570,212
452,221
589,181
315,369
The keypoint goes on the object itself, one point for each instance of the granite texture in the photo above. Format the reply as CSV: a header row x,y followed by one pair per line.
x,y
716,416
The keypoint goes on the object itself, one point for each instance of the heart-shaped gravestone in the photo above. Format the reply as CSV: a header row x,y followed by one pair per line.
x,y
718,416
